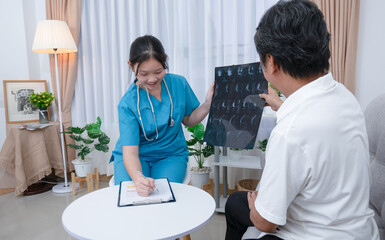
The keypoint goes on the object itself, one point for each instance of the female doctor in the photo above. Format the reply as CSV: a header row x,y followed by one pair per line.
x,y
151,143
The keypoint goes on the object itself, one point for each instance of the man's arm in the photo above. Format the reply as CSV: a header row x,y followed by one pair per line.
x,y
259,222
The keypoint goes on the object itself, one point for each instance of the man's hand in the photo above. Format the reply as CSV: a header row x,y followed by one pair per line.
x,y
272,99
251,197
259,222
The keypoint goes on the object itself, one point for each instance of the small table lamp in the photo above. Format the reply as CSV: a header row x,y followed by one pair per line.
x,y
54,37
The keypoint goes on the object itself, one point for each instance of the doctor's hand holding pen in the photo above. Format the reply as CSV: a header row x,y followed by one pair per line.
x,y
144,185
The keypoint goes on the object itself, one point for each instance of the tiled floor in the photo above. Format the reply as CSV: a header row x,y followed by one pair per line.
x,y
38,217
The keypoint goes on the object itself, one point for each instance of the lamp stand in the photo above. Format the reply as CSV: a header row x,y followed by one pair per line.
x,y
66,186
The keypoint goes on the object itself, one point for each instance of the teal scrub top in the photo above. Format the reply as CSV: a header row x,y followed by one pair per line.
x,y
171,140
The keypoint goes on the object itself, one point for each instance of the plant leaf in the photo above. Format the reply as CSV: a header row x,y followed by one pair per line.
x,y
101,147
199,131
87,141
208,151
98,122
86,150
94,133
75,130
76,137
104,139
191,142
77,147
262,144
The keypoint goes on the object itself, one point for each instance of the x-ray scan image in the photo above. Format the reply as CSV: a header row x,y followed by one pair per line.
x,y
236,108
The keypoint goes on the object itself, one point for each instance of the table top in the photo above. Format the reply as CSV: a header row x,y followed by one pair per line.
x,y
97,216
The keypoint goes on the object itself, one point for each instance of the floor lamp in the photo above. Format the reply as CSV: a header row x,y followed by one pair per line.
x,y
54,37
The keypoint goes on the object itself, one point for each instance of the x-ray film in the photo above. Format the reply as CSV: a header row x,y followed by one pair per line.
x,y
236,108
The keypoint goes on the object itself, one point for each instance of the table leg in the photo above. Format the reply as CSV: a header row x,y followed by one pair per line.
x,y
216,178
97,178
224,181
73,183
90,182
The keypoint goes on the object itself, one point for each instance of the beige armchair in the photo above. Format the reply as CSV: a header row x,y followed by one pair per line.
x,y
375,124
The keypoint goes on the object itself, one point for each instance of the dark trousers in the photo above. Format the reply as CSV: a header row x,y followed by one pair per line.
x,y
238,217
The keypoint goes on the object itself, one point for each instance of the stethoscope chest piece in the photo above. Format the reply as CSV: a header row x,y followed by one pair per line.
x,y
172,122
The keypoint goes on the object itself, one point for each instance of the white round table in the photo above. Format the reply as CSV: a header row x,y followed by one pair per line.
x,y
97,216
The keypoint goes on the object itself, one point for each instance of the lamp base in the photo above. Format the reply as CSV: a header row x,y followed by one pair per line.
x,y
62,188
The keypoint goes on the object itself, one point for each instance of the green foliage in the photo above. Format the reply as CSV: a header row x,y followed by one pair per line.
x,y
195,145
236,149
278,92
88,138
41,100
262,144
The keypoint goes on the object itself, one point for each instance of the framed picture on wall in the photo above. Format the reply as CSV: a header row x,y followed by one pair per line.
x,y
18,109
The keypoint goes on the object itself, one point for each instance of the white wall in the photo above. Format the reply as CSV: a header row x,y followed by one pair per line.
x,y
370,79
18,19
13,57
17,62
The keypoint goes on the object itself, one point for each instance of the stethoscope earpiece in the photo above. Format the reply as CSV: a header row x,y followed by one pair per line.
x,y
172,122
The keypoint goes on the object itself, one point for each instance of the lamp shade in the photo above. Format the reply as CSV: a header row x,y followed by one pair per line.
x,y
53,36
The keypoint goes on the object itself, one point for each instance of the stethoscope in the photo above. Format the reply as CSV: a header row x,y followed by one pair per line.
x,y
172,122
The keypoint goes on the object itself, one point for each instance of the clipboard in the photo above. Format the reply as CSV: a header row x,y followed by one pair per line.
x,y
129,197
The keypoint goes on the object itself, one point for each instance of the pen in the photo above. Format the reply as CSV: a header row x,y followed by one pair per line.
x,y
141,174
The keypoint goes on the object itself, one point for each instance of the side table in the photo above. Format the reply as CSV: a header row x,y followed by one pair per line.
x,y
97,216
30,155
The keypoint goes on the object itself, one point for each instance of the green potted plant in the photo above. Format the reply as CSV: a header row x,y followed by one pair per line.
x,y
87,138
262,147
200,151
276,90
235,153
41,101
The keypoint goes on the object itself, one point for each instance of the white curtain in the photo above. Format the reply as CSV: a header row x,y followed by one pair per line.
x,y
197,35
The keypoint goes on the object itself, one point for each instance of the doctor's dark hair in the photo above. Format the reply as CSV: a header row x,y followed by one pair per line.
x,y
295,34
146,47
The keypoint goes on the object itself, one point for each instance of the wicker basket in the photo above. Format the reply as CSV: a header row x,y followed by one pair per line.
x,y
247,185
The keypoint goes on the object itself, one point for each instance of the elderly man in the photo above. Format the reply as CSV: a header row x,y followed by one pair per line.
x,y
315,184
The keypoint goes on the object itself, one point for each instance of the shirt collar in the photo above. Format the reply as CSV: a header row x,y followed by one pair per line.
x,y
295,99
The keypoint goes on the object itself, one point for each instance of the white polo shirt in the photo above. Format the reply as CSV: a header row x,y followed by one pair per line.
x,y
315,183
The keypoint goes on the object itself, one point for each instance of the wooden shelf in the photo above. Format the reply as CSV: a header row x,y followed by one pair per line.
x,y
245,161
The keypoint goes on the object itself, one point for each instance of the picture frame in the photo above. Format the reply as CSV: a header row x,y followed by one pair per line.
x,y
17,106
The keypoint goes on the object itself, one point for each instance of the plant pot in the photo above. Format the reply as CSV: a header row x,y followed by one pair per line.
x,y
200,178
249,185
262,158
82,167
235,155
43,116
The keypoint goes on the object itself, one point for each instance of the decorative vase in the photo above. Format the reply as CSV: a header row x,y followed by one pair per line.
x,y
82,167
43,116
200,178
